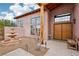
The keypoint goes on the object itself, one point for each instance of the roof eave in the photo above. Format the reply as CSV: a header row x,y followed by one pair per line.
x,y
32,12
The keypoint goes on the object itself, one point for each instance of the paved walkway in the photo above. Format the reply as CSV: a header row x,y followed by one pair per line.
x,y
59,48
56,48
18,52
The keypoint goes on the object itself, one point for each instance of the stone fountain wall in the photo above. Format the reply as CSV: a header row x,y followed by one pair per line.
x,y
19,31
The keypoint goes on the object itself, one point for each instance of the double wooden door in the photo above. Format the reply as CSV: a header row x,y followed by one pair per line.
x,y
63,31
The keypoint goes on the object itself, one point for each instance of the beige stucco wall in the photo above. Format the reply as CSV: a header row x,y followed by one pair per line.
x,y
76,25
27,24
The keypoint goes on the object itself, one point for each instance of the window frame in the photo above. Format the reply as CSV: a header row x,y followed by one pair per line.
x,y
35,24
20,23
62,15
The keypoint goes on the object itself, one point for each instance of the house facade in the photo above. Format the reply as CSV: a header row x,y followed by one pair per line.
x,y
61,21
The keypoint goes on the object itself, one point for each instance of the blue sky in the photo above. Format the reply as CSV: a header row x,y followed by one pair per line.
x,y
10,10
4,7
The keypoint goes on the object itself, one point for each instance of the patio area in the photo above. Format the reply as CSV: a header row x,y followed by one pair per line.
x,y
59,48
56,48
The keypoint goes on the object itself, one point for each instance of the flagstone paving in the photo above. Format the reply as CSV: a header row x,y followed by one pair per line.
x,y
18,52
56,48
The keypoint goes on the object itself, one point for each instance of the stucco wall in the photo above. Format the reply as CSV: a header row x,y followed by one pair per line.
x,y
27,24
76,25
62,9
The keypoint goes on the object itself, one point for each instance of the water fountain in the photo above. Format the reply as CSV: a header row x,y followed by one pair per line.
x,y
12,34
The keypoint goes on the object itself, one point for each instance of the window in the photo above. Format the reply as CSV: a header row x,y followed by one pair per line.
x,y
35,25
62,18
20,23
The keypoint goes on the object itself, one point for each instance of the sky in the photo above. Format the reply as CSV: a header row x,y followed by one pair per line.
x,y
11,10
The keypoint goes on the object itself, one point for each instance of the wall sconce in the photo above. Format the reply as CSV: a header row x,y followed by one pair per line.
x,y
74,20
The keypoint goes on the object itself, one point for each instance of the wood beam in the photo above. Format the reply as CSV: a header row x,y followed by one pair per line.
x,y
42,34
44,4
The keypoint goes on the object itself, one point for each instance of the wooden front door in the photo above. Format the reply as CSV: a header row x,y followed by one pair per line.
x,y
63,31
57,33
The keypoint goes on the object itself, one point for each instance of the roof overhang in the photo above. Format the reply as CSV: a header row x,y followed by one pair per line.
x,y
32,12
49,6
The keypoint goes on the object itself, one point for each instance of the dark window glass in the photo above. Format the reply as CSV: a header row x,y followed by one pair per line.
x,y
62,18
